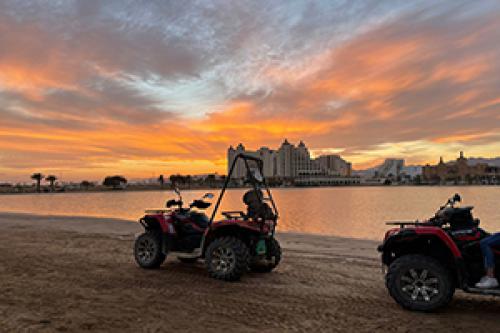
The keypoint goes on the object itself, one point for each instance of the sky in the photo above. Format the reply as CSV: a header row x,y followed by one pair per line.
x,y
141,88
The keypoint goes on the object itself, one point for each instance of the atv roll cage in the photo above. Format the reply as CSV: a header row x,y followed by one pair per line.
x,y
251,177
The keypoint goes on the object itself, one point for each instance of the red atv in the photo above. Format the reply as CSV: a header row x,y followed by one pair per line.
x,y
242,241
428,260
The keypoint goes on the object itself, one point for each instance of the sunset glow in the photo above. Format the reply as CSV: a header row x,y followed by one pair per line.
x,y
93,88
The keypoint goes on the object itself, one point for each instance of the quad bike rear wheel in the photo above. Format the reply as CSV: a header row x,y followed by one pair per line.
x,y
147,250
272,259
420,283
227,258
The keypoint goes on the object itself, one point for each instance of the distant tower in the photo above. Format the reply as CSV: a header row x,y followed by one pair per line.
x,y
461,155
239,171
285,160
301,159
441,160
231,153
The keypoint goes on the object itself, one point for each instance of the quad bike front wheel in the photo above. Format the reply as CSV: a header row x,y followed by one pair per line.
x,y
271,260
147,250
420,283
227,258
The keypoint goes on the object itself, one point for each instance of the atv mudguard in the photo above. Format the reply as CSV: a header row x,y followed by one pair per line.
x,y
403,239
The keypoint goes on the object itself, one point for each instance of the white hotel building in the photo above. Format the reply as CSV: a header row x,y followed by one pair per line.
x,y
291,163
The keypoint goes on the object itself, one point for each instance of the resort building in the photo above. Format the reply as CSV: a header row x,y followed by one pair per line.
x,y
333,165
391,168
461,171
293,164
267,155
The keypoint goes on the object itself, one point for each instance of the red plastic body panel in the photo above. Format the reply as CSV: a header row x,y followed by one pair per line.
x,y
466,238
391,232
431,231
438,232
164,221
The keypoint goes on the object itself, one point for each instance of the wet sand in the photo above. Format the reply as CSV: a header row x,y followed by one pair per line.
x,y
78,274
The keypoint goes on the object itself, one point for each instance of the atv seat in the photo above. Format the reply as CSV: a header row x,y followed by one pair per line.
x,y
194,225
256,207
200,219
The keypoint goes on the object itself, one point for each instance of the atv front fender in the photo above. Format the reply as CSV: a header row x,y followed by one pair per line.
x,y
154,222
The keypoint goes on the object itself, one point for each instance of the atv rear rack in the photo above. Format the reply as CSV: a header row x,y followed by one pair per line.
x,y
403,224
157,211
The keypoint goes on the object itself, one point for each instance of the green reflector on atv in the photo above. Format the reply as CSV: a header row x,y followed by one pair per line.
x,y
261,247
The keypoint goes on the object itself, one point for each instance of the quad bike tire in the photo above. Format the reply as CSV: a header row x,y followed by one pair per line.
x,y
147,250
267,265
412,290
227,258
188,260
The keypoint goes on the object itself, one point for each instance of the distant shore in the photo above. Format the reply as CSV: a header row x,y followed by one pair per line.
x,y
145,188
71,273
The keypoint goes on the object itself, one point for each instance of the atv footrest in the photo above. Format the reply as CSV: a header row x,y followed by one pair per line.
x,y
195,254
492,292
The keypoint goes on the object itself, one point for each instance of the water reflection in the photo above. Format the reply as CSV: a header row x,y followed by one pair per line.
x,y
344,211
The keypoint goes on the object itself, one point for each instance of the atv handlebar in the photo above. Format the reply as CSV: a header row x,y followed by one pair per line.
x,y
197,203
200,204
449,203
174,202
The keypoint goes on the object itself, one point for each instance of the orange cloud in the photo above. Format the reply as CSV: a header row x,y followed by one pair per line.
x,y
135,151
464,137
243,120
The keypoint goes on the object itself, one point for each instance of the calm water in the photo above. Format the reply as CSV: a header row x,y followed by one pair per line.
x,y
358,212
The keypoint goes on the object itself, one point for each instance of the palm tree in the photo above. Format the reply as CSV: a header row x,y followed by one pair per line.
x,y
175,180
188,180
38,177
211,180
51,179
116,182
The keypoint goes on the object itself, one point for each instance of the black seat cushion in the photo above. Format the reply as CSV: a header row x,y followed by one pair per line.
x,y
200,219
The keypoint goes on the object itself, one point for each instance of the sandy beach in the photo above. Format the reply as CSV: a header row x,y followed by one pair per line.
x,y
78,274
